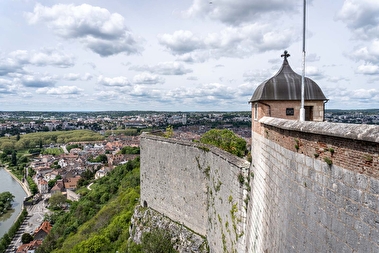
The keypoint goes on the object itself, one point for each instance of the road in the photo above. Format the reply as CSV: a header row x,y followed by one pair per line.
x,y
36,213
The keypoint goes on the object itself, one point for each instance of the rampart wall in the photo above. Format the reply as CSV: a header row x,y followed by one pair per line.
x,y
201,187
315,188
311,187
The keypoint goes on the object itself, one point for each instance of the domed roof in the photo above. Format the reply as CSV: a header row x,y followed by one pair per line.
x,y
286,85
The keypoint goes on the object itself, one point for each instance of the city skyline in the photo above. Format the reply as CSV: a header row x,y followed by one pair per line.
x,y
181,55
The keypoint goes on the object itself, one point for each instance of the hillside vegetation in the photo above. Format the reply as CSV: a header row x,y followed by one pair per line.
x,y
100,220
227,140
39,139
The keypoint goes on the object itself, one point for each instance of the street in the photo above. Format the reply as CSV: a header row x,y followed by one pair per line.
x,y
34,219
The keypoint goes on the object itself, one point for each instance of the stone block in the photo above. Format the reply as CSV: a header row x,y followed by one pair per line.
x,y
355,195
364,245
371,201
362,181
374,236
317,165
337,173
369,217
352,208
352,238
362,228
330,195
374,186
309,161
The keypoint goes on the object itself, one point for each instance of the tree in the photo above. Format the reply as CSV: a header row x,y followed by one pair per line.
x,y
14,158
56,200
226,140
26,238
169,132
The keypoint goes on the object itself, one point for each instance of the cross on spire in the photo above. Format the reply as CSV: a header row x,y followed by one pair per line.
x,y
285,55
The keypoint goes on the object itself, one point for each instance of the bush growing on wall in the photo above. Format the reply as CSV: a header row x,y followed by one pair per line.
x,y
226,140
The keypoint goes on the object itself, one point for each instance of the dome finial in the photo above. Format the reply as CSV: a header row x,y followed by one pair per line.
x,y
285,55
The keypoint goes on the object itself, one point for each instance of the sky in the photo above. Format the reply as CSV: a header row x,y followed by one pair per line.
x,y
187,55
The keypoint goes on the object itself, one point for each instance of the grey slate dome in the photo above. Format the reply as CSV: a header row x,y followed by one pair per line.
x,y
286,85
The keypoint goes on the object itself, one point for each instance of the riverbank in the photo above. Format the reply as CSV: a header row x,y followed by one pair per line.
x,y
24,186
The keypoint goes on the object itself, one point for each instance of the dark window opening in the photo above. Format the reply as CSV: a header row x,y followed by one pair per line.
x,y
290,111
308,113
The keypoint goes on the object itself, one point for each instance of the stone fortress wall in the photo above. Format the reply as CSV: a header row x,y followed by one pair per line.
x,y
199,186
311,187
315,188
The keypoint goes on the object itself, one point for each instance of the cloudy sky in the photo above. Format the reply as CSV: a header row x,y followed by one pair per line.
x,y
187,55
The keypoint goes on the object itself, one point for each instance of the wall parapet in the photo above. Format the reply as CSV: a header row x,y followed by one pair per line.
x,y
353,147
349,131
235,160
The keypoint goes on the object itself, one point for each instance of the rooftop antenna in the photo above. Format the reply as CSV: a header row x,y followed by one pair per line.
x,y
302,110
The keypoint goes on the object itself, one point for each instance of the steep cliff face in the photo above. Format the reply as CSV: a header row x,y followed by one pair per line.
x,y
184,240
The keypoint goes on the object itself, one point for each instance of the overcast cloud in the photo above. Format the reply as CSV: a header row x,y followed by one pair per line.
x,y
181,55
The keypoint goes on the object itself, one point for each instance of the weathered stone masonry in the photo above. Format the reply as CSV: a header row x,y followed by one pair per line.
x,y
302,204
198,186
290,200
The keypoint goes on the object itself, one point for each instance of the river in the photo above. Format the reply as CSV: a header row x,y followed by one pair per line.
x,y
8,183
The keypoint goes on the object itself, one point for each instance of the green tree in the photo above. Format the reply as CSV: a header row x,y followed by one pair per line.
x,y
56,200
226,140
26,238
14,158
169,132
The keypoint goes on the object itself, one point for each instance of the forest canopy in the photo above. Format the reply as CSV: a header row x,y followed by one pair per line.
x,y
40,139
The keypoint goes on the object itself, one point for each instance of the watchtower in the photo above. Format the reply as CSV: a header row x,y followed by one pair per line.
x,y
280,96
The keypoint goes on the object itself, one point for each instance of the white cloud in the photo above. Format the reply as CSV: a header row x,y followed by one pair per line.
x,y
115,81
313,72
257,76
236,12
368,53
368,69
102,32
44,57
77,77
192,78
361,17
61,90
233,42
86,77
312,58
147,78
71,77
107,95
7,87
38,80
9,65
164,68
181,42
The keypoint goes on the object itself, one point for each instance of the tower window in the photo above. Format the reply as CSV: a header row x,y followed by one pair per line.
x,y
256,111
